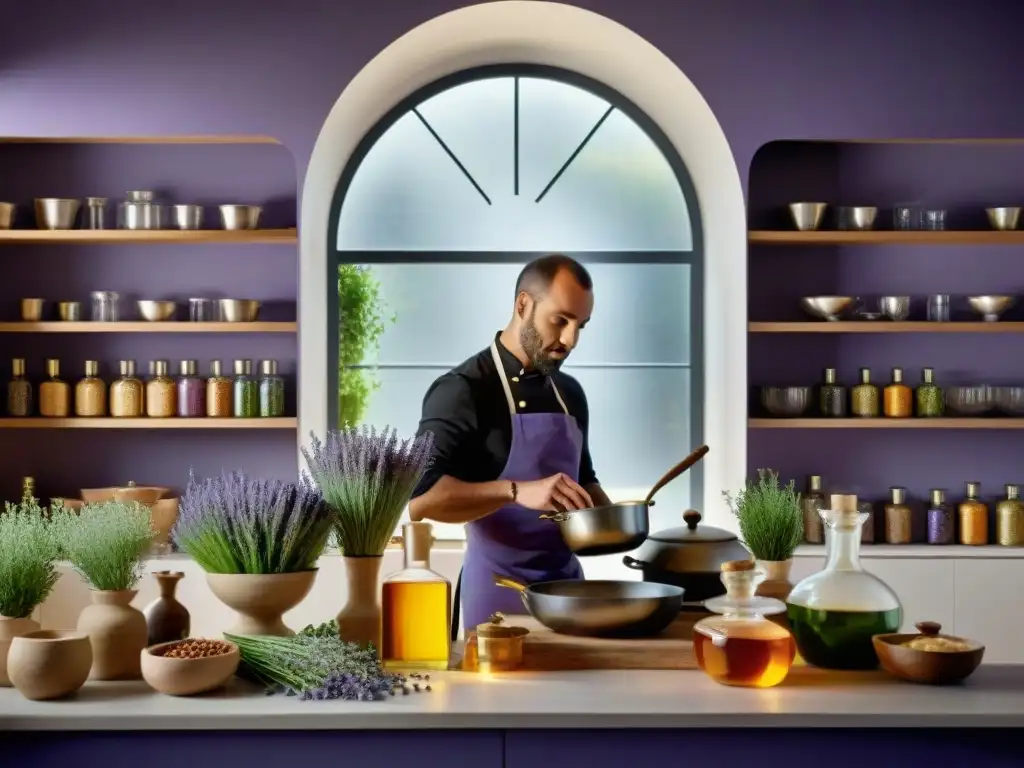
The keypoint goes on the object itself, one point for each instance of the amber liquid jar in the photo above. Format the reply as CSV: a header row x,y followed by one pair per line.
x,y
973,515
126,394
91,392
54,394
218,392
930,404
832,397
864,397
19,391
1010,519
812,502
898,517
898,398
161,393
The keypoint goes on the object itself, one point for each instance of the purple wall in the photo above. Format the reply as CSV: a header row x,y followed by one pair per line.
x,y
785,69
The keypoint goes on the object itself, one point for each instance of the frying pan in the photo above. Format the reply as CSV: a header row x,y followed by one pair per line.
x,y
615,528
600,608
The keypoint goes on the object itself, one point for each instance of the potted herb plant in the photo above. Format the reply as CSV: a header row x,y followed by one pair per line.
x,y
361,323
367,476
259,542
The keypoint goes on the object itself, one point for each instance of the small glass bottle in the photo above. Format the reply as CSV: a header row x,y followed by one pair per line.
x,y
126,393
941,524
161,393
832,397
864,397
218,392
246,391
19,390
898,398
54,393
28,490
867,530
271,390
741,647
973,514
930,404
191,391
416,607
812,501
1010,518
898,518
91,392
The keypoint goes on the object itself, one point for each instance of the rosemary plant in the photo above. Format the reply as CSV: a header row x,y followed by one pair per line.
x,y
29,550
771,523
367,477
106,543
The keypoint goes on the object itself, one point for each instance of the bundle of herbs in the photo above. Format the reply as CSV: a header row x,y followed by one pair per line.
x,y
29,550
238,524
769,515
106,542
367,477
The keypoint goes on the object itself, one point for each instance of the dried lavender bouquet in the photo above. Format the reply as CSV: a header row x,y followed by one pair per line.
x,y
238,524
367,477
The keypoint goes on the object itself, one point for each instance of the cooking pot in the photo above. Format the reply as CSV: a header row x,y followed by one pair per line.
x,y
689,557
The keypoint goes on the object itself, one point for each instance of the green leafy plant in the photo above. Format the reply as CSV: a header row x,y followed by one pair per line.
x,y
771,523
29,550
361,323
106,543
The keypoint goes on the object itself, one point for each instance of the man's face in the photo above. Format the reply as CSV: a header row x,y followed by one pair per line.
x,y
551,325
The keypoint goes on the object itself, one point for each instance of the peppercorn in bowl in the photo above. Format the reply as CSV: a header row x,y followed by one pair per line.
x,y
189,667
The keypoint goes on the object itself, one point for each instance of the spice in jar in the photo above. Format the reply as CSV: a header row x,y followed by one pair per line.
x,y
91,393
898,518
811,504
161,393
54,393
246,391
191,391
941,526
832,397
929,396
1010,518
218,392
126,394
973,517
898,398
197,648
19,390
271,390
864,397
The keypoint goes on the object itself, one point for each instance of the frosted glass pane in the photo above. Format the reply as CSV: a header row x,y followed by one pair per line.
x,y
447,312
619,194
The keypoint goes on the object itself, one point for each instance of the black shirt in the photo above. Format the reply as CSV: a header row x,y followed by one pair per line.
x,y
467,411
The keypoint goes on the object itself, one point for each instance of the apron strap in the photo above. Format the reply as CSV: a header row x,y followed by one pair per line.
x,y
456,609
508,389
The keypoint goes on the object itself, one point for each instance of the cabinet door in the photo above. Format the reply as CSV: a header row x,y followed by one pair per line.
x,y
988,609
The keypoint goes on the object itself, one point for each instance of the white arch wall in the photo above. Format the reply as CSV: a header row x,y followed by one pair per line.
x,y
552,34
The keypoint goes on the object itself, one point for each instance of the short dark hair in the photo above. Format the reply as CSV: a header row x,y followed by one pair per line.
x,y
538,275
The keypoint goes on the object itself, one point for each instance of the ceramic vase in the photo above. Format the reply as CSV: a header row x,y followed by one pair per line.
x,y
360,620
166,618
776,578
49,663
10,629
117,633
261,599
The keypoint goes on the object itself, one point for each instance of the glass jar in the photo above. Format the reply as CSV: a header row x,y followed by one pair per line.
x,y
867,531
218,392
271,390
864,397
127,393
246,391
741,647
91,392
898,518
1010,518
834,613
191,391
832,397
973,514
812,501
54,393
898,397
930,404
95,216
105,306
941,526
161,393
138,211
19,391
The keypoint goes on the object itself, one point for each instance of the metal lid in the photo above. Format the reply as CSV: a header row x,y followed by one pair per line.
x,y
95,201
18,366
216,369
1012,491
160,368
188,367
692,534
830,375
928,375
268,367
92,368
140,196
972,489
897,375
899,495
243,367
53,368
127,368
495,627
814,483
938,496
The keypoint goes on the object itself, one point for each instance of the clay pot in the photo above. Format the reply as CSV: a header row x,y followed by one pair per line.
x,y
776,579
163,514
117,632
10,629
187,677
261,599
166,618
49,663
360,620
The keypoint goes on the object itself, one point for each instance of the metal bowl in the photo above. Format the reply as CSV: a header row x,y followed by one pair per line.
x,y
829,308
240,216
1003,218
895,308
990,307
786,402
187,216
974,400
1009,400
7,215
56,213
156,311
856,217
239,310
807,216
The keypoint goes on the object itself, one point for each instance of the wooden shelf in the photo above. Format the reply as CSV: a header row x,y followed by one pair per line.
x,y
115,236
885,326
945,423
877,237
108,423
146,327
199,139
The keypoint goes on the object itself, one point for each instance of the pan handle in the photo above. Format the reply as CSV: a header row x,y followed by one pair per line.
x,y
677,470
558,517
632,563
505,581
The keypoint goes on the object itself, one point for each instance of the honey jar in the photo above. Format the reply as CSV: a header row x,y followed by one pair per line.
x,y
499,647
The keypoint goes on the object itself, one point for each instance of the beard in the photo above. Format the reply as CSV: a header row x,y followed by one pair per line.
x,y
540,358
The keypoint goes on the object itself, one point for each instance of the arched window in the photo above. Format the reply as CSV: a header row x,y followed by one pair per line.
x,y
467,180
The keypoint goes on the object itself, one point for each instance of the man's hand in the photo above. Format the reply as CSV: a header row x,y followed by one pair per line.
x,y
553,494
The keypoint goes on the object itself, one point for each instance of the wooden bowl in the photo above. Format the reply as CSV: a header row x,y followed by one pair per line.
x,y
164,513
72,505
143,494
925,666
187,677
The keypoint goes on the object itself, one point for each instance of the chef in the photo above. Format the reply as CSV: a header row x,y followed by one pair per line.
x,y
510,443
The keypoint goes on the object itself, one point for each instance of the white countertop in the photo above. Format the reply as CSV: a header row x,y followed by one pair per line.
x,y
992,697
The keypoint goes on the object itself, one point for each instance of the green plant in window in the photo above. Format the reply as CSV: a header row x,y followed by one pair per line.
x,y
361,323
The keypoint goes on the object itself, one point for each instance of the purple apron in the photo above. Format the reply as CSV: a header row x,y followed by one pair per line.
x,y
514,541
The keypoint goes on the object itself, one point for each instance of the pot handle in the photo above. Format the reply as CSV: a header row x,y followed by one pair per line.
x,y
632,563
676,471
558,517
505,581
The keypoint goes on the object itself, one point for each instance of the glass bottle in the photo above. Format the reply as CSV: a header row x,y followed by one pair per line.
x,y
28,490
867,531
832,397
1010,518
271,390
126,393
973,514
91,392
218,392
191,391
941,525
741,647
864,397
246,391
812,501
19,390
161,393
834,613
898,518
54,393
416,607
898,397
930,404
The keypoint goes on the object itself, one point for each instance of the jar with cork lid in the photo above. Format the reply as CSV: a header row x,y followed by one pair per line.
x,y
218,392
91,392
127,393
19,390
973,514
898,398
1010,518
54,393
161,393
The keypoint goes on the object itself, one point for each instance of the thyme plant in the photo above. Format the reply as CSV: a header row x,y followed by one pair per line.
x,y
361,323
771,522
106,543
29,550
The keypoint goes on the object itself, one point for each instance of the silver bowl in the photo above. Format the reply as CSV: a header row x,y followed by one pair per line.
x,y
974,400
807,216
786,402
240,216
1009,400
187,216
56,213
895,307
156,311
7,215
990,308
1003,218
857,217
829,308
239,310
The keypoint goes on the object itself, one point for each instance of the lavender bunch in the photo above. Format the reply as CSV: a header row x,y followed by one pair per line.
x,y
238,524
367,477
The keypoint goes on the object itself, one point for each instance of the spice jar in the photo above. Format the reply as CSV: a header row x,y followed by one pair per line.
x,y
218,392
161,393
1010,518
973,515
941,526
499,646
832,397
54,393
867,531
246,391
811,504
929,396
126,394
19,390
91,392
864,397
191,391
105,306
271,390
898,518
898,397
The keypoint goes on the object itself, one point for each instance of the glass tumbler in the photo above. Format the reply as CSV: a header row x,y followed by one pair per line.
x,y
906,217
203,310
938,308
933,219
104,306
